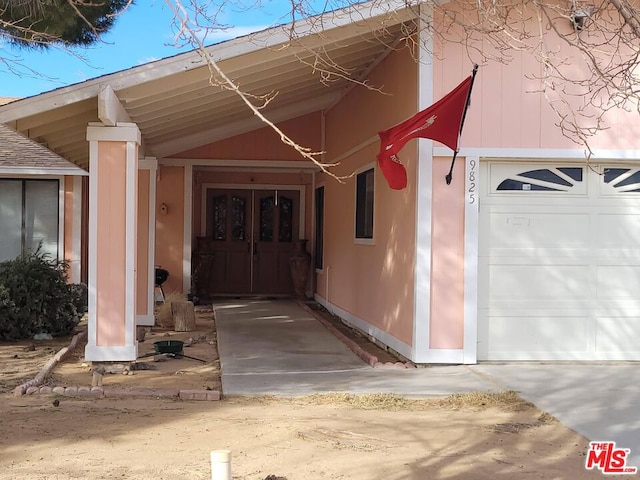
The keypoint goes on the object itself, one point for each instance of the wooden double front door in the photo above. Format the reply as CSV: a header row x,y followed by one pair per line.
x,y
250,236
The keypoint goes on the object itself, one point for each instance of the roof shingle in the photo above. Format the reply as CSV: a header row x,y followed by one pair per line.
x,y
18,151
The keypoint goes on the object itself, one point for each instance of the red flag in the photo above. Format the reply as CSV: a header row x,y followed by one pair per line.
x,y
442,121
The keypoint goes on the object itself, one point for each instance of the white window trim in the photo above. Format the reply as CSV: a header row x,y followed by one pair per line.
x,y
358,171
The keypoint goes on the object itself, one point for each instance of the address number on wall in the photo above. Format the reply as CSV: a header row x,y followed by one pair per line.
x,y
471,182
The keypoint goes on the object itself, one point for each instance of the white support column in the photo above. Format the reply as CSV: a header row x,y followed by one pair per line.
x,y
113,188
188,227
422,294
471,235
151,165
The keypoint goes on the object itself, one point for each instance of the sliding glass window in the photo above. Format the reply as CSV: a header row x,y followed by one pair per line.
x,y
29,217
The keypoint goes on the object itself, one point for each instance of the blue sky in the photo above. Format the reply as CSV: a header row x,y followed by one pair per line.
x,y
141,34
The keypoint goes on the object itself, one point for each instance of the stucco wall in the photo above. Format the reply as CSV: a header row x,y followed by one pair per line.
x,y
372,282
170,226
142,259
264,143
508,109
446,326
111,251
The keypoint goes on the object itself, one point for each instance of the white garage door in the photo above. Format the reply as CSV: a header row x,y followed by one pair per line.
x,y
559,266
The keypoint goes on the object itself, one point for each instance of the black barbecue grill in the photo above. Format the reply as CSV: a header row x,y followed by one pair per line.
x,y
161,277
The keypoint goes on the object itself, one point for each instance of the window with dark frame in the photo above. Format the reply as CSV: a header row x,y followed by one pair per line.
x,y
319,244
364,204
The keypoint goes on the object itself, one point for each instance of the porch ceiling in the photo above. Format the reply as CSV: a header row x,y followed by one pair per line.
x,y
178,105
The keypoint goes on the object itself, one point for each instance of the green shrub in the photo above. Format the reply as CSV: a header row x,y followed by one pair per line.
x,y
8,329
80,294
36,298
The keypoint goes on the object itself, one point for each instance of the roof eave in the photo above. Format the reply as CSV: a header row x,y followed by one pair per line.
x,y
361,12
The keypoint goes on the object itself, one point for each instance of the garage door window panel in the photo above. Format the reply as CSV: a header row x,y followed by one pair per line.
x,y
560,179
623,180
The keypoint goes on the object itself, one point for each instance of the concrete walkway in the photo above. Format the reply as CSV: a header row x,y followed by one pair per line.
x,y
277,348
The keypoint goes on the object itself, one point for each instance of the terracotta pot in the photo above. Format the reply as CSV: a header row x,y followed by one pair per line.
x,y
299,262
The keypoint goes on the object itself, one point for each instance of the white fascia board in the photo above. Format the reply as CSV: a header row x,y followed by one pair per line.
x,y
542,153
48,101
52,172
361,12
171,147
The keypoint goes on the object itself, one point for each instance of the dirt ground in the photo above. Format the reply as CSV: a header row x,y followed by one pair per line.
x,y
476,436
197,369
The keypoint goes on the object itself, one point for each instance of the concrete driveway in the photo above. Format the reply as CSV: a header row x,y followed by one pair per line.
x,y
276,348
599,401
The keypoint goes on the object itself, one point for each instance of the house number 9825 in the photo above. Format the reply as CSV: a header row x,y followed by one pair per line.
x,y
472,182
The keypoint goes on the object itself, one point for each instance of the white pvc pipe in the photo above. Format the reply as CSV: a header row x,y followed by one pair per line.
x,y
220,464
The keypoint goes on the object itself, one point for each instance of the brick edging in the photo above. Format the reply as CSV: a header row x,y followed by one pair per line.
x,y
82,391
368,358
33,386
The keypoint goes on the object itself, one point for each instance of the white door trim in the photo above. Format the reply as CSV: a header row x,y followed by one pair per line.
x,y
471,235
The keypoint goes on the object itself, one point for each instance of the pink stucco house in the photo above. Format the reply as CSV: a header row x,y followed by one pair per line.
x,y
530,253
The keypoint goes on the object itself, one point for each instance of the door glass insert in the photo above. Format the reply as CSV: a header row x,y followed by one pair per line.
x,y
266,219
286,219
220,218
238,218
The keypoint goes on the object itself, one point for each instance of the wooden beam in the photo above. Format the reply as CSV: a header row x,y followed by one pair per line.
x,y
110,110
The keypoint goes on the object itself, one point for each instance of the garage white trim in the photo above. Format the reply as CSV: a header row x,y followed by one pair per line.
x,y
559,261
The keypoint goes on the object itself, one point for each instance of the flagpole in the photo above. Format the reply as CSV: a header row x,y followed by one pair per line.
x,y
449,176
